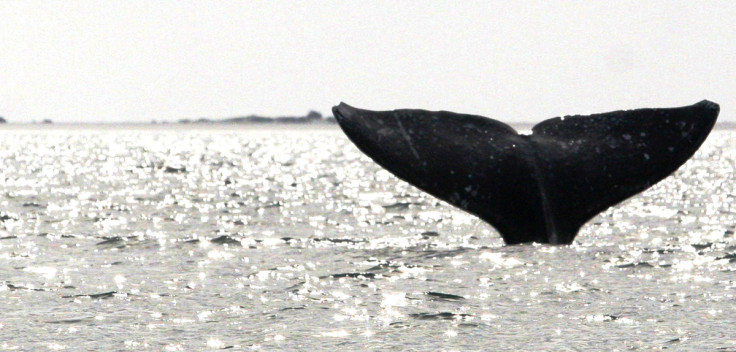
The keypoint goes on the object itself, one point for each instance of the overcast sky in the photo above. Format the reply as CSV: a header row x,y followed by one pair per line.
x,y
126,61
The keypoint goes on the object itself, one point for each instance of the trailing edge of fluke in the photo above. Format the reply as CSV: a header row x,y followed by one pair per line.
x,y
532,188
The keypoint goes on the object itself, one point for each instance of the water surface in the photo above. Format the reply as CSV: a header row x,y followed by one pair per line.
x,y
186,239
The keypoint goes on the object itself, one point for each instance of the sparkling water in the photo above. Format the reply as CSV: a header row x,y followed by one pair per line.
x,y
174,238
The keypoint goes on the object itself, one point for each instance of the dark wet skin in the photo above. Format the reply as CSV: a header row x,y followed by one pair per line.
x,y
532,188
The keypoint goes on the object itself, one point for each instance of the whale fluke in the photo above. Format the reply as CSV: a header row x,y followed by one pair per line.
x,y
532,188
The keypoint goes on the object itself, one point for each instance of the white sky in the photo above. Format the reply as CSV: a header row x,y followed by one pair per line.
x,y
126,61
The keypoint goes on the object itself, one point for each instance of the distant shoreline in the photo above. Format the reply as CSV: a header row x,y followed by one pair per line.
x,y
164,127
313,117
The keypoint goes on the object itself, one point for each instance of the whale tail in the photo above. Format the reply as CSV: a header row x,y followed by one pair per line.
x,y
532,188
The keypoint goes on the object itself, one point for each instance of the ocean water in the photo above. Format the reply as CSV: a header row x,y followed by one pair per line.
x,y
188,239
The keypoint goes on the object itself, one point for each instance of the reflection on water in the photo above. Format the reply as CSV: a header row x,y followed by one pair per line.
x,y
283,240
